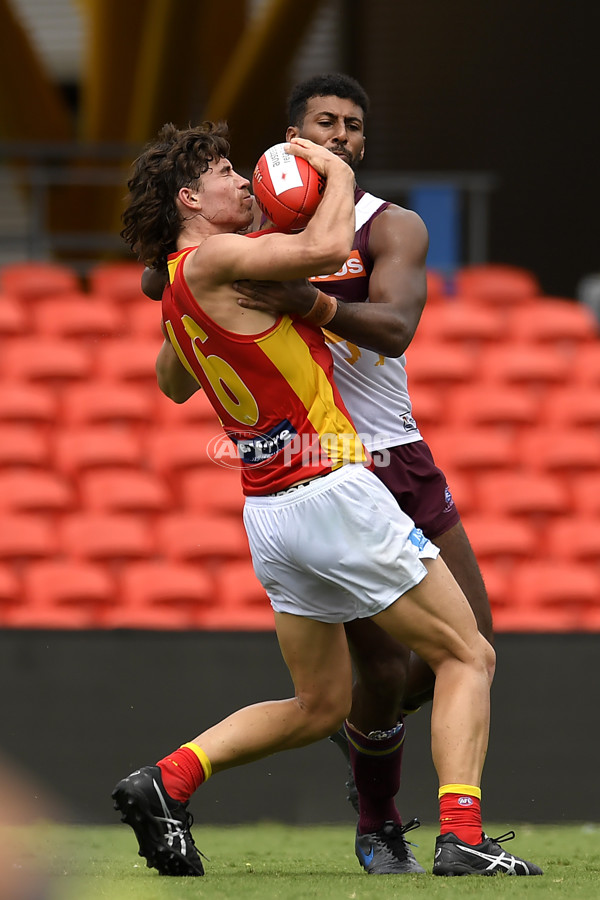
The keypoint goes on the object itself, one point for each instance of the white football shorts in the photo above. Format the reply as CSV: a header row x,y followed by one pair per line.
x,y
336,549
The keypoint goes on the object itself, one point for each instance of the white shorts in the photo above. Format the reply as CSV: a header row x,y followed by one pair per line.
x,y
336,549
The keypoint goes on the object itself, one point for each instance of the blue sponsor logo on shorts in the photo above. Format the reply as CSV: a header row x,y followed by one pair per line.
x,y
417,538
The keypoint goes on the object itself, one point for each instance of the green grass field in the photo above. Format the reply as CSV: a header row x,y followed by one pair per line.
x,y
267,861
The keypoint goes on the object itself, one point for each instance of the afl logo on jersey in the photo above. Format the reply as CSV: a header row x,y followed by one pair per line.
x,y
352,268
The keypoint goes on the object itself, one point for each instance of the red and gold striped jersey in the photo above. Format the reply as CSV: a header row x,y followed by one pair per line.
x,y
274,392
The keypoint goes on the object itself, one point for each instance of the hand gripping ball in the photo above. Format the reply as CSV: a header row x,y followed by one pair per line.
x,y
287,188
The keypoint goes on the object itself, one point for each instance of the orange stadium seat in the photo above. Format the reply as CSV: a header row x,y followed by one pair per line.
x,y
204,490
428,408
120,280
52,360
77,315
535,496
102,402
141,318
476,450
11,594
584,489
163,595
469,327
558,592
561,452
564,324
572,406
35,491
12,317
106,536
500,540
586,366
241,601
173,450
576,538
27,404
438,365
22,446
504,407
65,594
497,285
96,446
535,368
115,490
189,536
32,280
463,493
125,359
197,411
25,536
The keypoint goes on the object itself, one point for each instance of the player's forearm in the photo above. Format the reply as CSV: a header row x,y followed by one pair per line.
x,y
373,326
173,379
330,233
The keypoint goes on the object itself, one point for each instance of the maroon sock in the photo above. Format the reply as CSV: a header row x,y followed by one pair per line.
x,y
376,763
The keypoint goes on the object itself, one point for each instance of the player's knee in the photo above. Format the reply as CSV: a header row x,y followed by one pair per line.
x,y
325,714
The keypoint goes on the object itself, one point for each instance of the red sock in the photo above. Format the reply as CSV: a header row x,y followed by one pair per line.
x,y
184,771
376,765
460,812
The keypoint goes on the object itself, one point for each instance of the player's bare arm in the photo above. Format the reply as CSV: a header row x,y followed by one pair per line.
x,y
324,243
173,378
397,288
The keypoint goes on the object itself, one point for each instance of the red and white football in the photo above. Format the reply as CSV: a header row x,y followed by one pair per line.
x,y
287,188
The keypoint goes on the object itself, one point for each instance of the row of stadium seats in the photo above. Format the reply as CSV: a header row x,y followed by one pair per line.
x,y
113,513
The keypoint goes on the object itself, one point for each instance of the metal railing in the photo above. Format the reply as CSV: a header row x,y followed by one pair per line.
x,y
38,168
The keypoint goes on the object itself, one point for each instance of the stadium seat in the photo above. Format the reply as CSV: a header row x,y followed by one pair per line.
x,y
549,449
171,451
120,280
572,406
22,446
35,491
65,594
11,594
477,450
202,490
23,403
584,490
197,411
563,324
242,604
12,317
428,408
586,366
436,287
187,536
77,315
96,446
32,280
500,539
142,318
497,285
470,328
463,493
115,490
575,538
55,361
163,595
562,590
101,402
109,537
123,359
438,365
25,537
534,496
531,367
504,407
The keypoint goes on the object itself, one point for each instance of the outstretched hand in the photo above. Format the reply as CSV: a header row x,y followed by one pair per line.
x,y
277,296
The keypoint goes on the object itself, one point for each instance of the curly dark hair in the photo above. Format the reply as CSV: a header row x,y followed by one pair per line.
x,y
176,159
332,84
